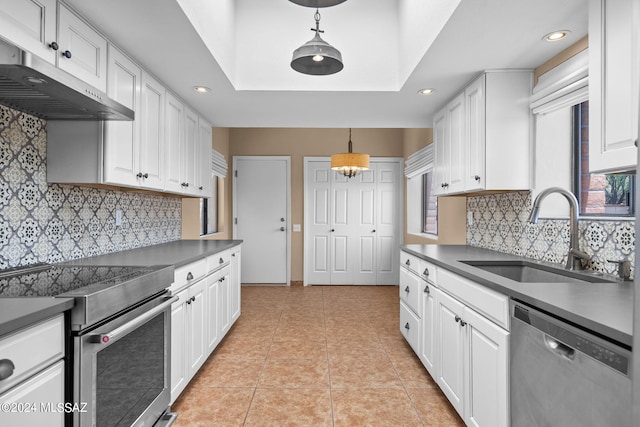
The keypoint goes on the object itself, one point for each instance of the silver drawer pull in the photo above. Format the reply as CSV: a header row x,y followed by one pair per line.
x,y
406,326
426,272
408,262
189,276
427,290
407,290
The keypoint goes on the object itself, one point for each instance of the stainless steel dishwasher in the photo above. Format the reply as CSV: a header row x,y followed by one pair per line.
x,y
564,376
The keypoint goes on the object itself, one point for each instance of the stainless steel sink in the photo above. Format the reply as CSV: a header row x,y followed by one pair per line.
x,y
529,272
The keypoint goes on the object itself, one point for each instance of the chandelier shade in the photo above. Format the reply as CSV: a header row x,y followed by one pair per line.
x,y
349,164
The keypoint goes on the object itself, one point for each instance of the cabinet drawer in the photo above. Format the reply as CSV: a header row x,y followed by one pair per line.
x,y
410,262
218,260
410,290
32,349
490,303
410,327
189,273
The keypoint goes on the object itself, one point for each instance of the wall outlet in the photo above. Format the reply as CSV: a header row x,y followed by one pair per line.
x,y
296,228
118,218
470,218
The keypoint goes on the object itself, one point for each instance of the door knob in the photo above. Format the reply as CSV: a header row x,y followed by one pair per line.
x,y
282,228
373,231
281,219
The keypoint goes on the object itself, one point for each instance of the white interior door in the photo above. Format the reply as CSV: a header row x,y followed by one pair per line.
x,y
352,226
261,217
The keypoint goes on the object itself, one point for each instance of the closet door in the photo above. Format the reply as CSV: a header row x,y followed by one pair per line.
x,y
362,225
388,214
342,259
317,222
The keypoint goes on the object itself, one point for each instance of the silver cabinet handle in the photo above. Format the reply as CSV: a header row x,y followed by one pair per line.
x,y
463,323
189,276
407,290
426,272
477,178
221,261
408,262
123,330
406,326
457,319
427,290
6,369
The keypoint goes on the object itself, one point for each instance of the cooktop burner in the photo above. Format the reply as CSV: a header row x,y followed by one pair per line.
x,y
50,280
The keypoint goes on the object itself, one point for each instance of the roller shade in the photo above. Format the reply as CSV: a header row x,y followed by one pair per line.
x,y
218,164
420,162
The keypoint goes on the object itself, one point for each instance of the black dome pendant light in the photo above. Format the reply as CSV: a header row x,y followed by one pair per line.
x,y
317,57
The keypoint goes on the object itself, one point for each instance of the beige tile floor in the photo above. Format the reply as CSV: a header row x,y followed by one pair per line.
x,y
315,356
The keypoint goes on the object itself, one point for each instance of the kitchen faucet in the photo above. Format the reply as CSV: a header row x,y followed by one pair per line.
x,y
575,255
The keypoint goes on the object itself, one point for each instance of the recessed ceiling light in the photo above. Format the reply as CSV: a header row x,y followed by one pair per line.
x,y
556,35
201,89
426,91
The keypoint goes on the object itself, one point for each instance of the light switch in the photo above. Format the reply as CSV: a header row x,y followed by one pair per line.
x,y
470,218
118,218
296,228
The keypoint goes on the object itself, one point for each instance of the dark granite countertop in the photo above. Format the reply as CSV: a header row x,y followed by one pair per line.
x,y
604,308
16,313
176,253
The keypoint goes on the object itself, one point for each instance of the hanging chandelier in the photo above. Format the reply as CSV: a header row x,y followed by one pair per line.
x,y
317,57
317,3
349,164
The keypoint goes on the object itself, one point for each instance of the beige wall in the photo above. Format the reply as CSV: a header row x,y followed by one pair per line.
x,y
451,210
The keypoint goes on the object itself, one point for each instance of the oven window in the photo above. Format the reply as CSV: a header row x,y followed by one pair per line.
x,y
130,374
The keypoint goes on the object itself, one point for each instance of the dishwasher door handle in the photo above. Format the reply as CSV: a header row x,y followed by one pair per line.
x,y
559,348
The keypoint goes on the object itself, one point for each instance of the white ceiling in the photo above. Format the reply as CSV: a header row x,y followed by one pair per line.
x,y
241,49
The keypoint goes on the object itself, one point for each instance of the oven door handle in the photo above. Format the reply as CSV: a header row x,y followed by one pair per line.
x,y
123,330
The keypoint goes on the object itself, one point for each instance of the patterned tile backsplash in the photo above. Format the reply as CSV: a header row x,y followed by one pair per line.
x,y
500,223
42,222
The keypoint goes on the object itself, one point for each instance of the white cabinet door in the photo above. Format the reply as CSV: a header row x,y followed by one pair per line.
x,y
174,143
179,374
224,313
428,344
196,324
475,135
487,373
235,283
451,337
122,138
190,152
31,25
151,165
442,152
213,302
613,84
204,177
83,51
455,138
37,393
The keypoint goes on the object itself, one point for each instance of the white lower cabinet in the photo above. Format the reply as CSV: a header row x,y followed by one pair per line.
x,y
201,317
34,356
464,351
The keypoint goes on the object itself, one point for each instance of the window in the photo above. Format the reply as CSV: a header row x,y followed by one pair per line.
x,y
598,194
209,211
422,204
429,205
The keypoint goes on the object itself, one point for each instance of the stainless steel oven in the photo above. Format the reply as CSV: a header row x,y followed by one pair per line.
x,y
122,367
118,339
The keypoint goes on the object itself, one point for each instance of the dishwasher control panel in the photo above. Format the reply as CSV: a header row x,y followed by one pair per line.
x,y
603,354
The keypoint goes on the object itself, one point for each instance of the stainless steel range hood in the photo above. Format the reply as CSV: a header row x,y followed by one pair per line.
x,y
34,86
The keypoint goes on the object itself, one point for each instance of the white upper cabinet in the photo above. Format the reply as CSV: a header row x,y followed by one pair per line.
x,y
174,134
191,153
30,24
613,85
152,147
82,50
483,138
205,145
122,138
